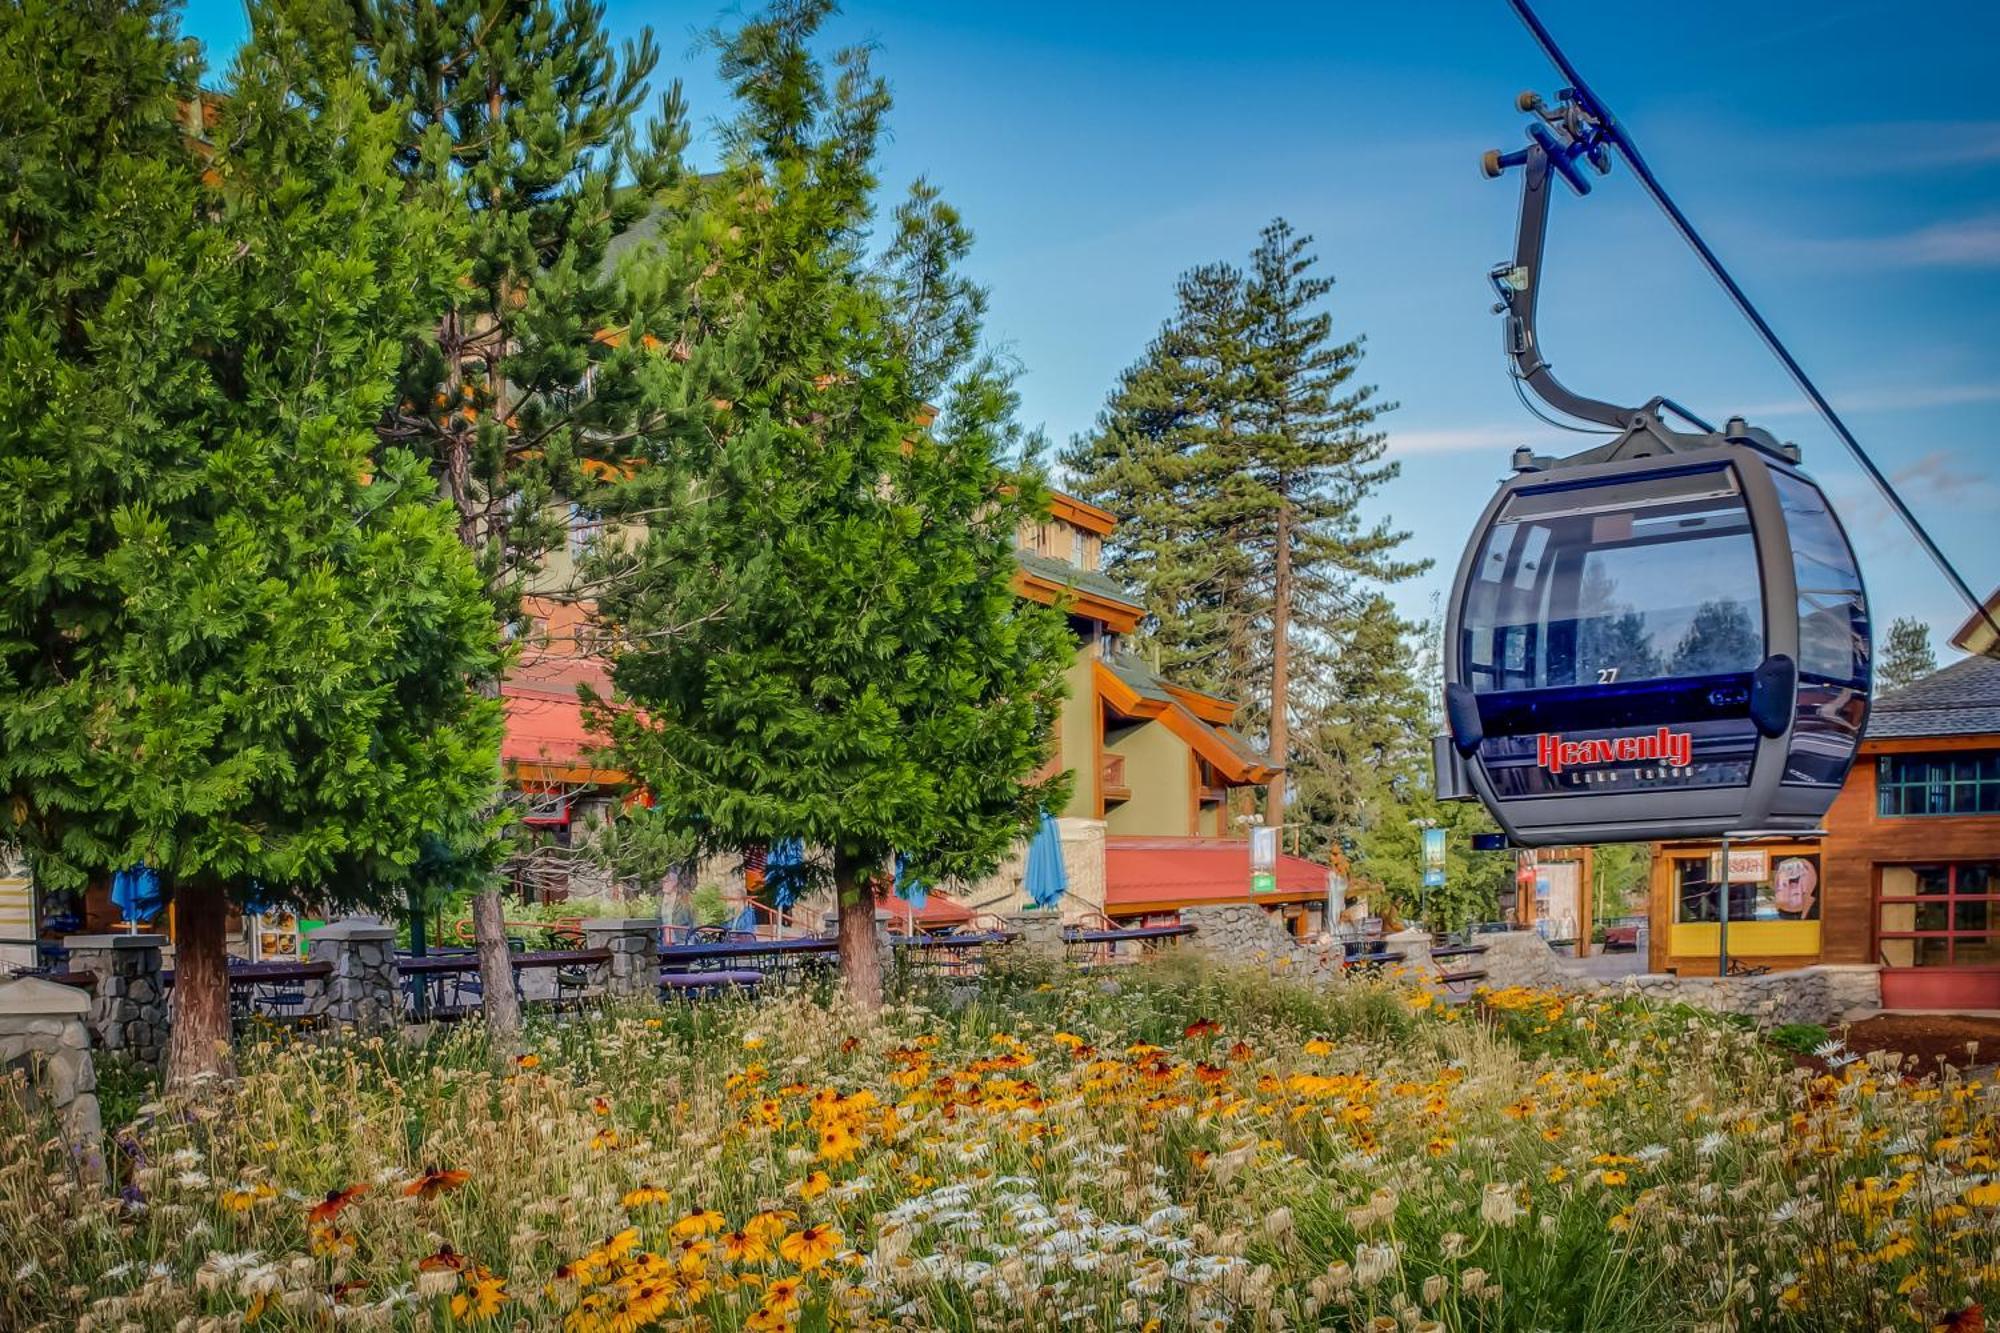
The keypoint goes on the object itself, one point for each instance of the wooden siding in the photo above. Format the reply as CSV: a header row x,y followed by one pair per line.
x,y
1859,841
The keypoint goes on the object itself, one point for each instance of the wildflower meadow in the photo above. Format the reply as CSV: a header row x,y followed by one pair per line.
x,y
1179,1147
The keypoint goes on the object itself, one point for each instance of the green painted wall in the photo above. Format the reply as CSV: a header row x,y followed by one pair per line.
x,y
1156,769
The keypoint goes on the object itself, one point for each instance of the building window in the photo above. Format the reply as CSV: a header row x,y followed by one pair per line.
x,y
1965,782
1762,887
1939,915
585,527
1076,548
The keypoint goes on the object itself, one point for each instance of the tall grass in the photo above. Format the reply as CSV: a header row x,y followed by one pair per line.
x,y
1181,1146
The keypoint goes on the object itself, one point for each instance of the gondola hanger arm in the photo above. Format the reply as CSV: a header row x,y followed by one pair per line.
x,y
1582,129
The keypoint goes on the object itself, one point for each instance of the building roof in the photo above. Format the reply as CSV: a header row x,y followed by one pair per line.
x,y
937,913
1092,581
1962,699
1135,690
1164,874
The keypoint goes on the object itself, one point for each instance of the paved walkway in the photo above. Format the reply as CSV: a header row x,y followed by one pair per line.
x,y
1610,966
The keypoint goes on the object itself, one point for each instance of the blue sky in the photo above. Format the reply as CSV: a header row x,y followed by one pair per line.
x,y
1843,157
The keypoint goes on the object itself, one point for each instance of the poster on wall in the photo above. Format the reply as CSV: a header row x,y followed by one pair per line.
x,y
1795,889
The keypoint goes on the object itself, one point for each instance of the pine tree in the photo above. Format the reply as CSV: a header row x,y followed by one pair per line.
x,y
1157,459
1907,656
1237,455
237,639
545,372
823,641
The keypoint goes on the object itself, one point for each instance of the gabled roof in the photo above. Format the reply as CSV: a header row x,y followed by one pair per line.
x,y
1135,690
1962,699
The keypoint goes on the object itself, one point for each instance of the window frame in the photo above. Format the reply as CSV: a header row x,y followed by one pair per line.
x,y
1949,900
1889,783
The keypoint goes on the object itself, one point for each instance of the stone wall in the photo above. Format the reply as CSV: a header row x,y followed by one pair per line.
x,y
1243,933
128,1006
1825,993
42,1033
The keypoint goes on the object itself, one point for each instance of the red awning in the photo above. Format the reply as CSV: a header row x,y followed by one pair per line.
x,y
1161,874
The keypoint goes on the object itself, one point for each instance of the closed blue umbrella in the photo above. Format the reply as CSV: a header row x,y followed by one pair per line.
x,y
1048,877
136,893
784,871
908,887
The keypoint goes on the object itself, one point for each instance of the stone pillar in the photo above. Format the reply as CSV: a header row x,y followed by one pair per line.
x,y
128,1009
42,1030
1083,859
1040,932
1415,946
362,991
634,941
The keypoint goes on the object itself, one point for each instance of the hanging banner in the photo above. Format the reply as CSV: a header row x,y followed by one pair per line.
x,y
1263,860
1433,858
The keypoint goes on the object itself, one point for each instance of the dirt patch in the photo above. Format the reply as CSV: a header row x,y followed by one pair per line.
x,y
1929,1037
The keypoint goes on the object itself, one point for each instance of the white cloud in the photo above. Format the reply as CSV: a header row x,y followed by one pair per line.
x,y
1495,438
1965,243
1903,398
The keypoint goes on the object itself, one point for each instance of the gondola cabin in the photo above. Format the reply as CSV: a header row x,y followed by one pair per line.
x,y
1669,645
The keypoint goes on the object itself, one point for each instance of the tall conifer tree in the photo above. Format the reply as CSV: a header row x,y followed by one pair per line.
x,y
821,635
526,127
1238,454
236,641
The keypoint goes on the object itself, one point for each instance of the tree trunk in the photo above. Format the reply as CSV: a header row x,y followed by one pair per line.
x,y
1281,666
860,964
198,1029
498,1003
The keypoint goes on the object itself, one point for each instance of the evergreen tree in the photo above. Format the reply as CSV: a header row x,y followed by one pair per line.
x,y
823,641
1907,656
546,370
1237,456
1720,637
234,646
1159,460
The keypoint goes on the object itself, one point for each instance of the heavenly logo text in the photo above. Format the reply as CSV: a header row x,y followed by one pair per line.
x,y
1675,749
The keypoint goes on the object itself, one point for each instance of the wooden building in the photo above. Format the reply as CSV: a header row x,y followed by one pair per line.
x,y
1907,873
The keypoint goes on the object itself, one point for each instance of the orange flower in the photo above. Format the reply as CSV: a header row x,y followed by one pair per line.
x,y
782,1294
1613,1177
328,1239
446,1260
814,1185
604,1140
528,1061
434,1182
699,1223
1202,1027
810,1248
329,1208
767,1227
243,1198
1319,1046
646,1196
745,1247
600,1106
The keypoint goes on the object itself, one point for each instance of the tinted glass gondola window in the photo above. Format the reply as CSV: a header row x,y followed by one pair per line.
x,y
1627,580
1833,616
